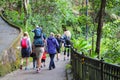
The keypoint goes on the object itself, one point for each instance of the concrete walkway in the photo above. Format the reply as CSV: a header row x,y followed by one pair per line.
x,y
55,74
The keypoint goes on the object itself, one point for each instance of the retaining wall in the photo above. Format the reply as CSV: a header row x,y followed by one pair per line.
x,y
10,57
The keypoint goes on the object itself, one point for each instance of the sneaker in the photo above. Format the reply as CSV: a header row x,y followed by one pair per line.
x,y
34,68
53,67
57,59
64,59
41,66
68,58
50,69
26,68
38,70
20,67
44,65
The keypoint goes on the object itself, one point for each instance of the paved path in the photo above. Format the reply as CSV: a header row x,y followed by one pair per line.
x,y
7,35
55,74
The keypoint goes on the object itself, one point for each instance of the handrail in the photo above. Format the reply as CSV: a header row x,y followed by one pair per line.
x,y
86,68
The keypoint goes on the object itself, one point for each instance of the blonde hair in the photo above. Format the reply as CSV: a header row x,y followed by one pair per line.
x,y
67,33
25,34
52,34
58,35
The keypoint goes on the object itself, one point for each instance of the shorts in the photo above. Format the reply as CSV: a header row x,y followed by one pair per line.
x,y
42,60
67,46
58,50
39,51
25,52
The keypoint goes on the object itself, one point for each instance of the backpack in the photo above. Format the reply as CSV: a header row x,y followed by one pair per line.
x,y
67,40
24,43
38,42
38,32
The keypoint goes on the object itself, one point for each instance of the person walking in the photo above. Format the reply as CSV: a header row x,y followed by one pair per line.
x,y
58,37
25,49
33,55
39,41
52,44
67,44
43,59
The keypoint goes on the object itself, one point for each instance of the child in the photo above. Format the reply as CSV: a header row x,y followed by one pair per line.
x,y
33,55
43,59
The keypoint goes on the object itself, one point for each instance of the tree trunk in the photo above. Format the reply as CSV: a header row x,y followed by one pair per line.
x,y
100,25
25,6
93,17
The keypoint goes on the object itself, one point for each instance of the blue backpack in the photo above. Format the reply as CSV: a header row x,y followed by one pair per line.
x,y
39,42
38,33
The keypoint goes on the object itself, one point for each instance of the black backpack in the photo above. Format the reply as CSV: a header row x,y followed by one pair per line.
x,y
67,40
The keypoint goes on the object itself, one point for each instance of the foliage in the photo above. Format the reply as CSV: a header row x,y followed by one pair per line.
x,y
81,45
4,69
14,17
111,52
110,42
52,15
68,66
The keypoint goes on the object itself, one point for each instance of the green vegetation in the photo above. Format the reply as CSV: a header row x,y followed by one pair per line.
x,y
56,15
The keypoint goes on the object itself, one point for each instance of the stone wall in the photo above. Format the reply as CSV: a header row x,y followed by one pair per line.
x,y
10,57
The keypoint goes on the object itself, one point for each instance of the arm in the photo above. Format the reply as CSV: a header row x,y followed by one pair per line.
x,y
30,45
56,42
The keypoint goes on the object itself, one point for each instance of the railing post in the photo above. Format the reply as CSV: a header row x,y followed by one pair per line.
x,y
102,60
83,76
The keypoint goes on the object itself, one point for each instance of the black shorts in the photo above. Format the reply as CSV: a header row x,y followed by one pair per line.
x,y
43,60
25,53
58,50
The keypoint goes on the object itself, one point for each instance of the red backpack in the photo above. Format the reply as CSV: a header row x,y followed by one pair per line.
x,y
24,43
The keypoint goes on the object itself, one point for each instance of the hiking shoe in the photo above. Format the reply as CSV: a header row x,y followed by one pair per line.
x,y
20,67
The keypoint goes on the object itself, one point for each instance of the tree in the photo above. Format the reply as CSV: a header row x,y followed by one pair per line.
x,y
26,7
100,25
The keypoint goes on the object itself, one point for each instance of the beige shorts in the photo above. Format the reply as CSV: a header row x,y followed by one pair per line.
x,y
39,51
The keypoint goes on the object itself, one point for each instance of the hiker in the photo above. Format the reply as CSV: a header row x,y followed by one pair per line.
x,y
25,49
67,44
58,37
52,44
39,41
33,55
43,59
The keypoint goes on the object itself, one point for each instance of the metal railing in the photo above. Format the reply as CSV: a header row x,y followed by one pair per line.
x,y
85,68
